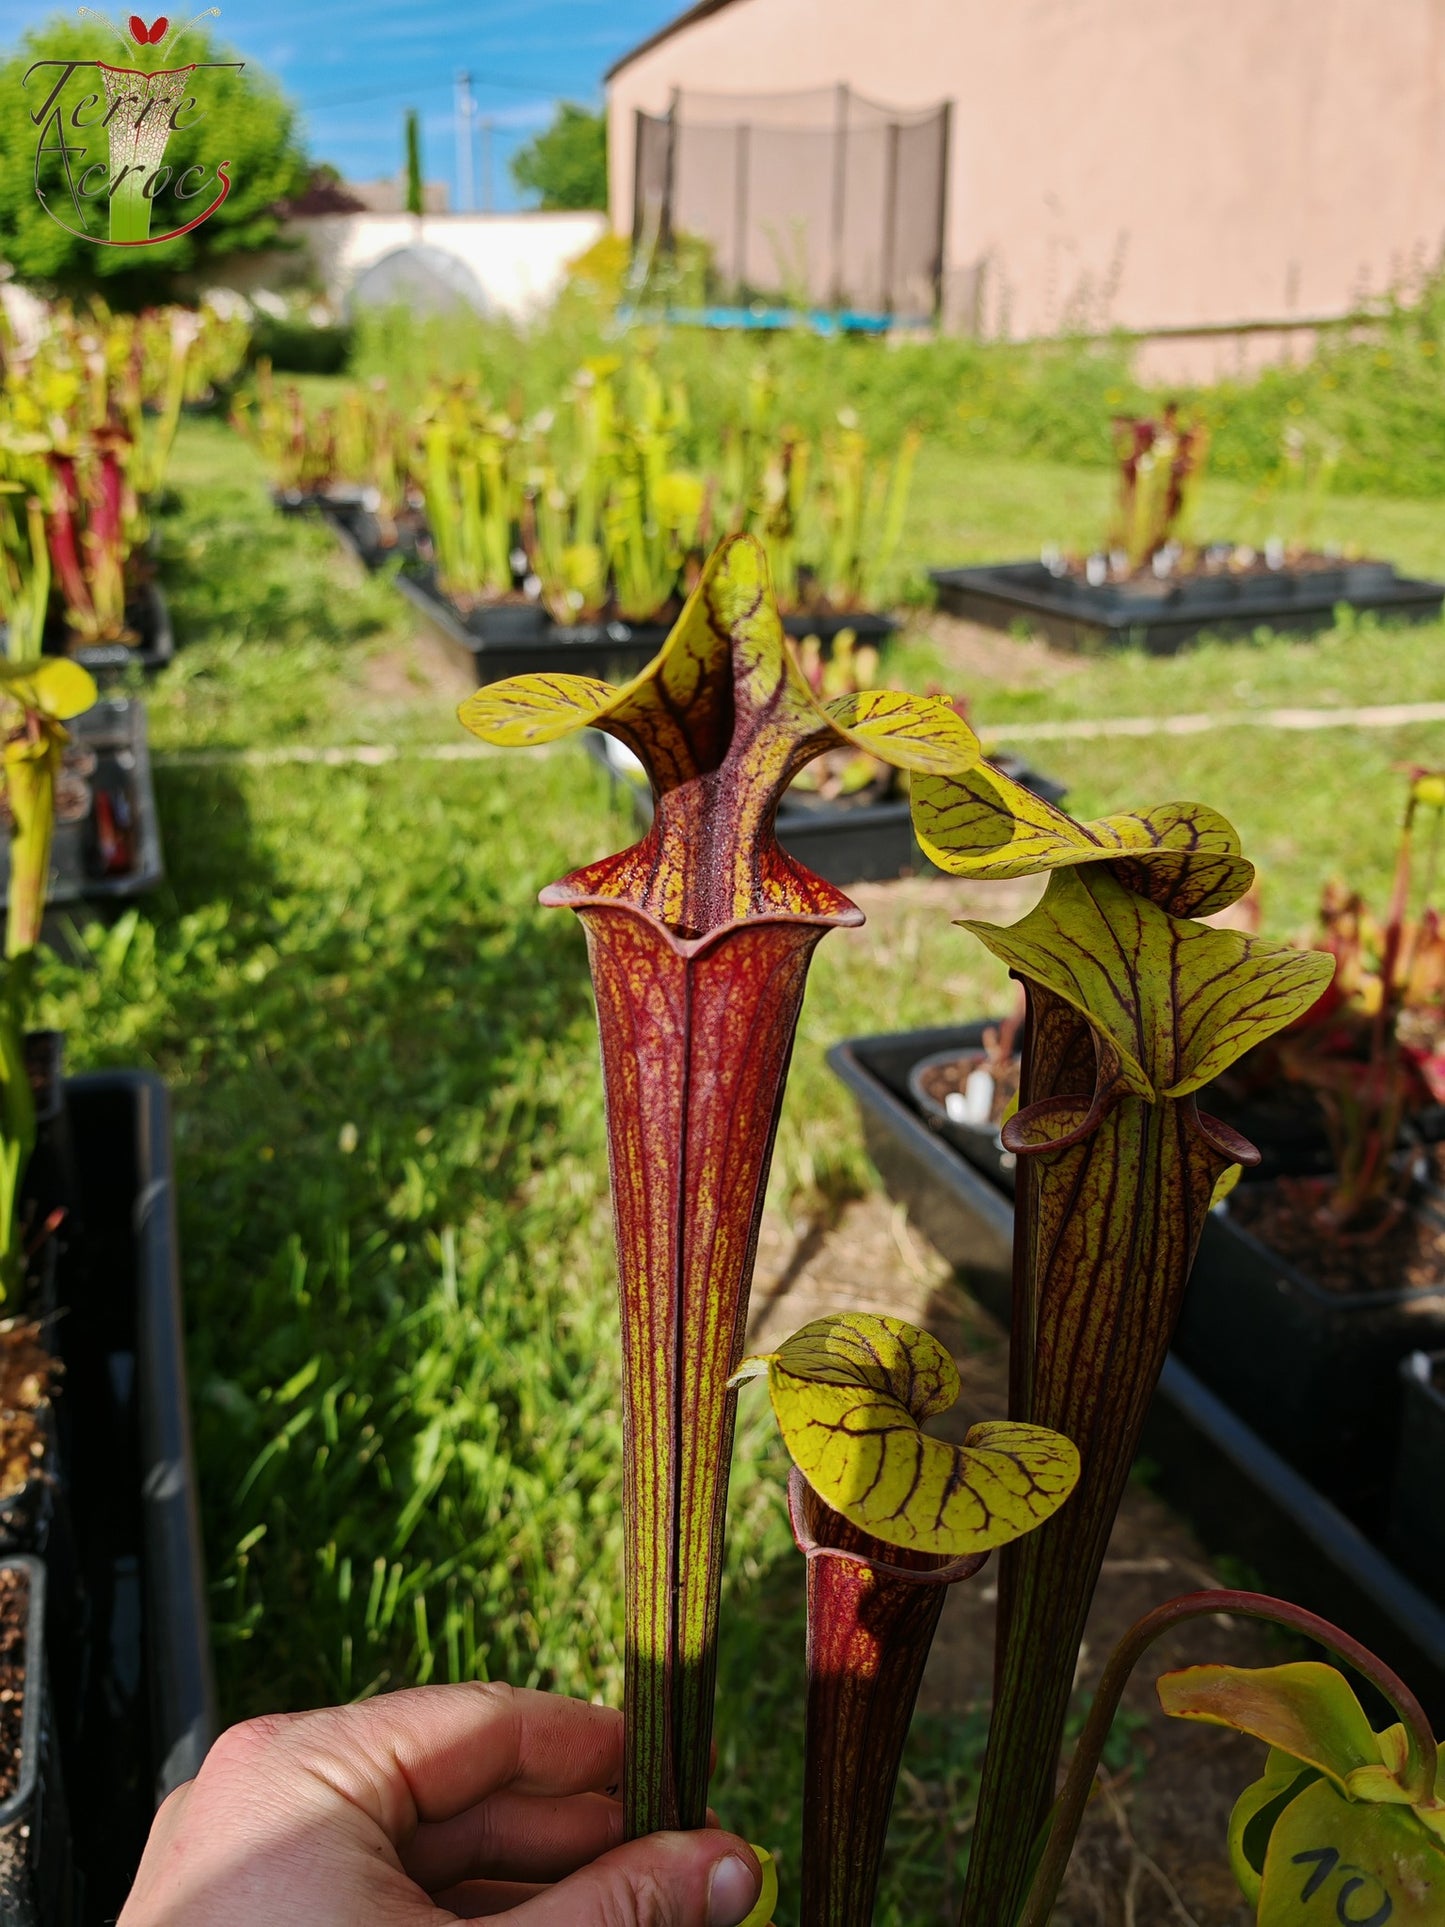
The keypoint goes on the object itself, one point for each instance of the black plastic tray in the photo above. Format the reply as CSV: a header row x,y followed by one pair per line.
x,y
155,649
508,641
1160,619
1315,1372
35,1855
115,730
615,651
131,1671
1241,1493
1417,1515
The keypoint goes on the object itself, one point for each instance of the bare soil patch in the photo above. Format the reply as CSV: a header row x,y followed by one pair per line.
x,y
977,653
418,667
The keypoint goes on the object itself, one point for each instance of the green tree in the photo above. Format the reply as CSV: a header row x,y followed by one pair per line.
x,y
415,197
566,164
242,121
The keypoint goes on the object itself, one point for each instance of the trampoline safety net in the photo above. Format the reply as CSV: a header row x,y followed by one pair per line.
x,y
821,196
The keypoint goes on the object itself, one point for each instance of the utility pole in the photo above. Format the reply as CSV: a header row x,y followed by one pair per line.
x,y
466,107
415,182
486,163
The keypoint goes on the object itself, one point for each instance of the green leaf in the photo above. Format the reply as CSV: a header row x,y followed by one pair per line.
x,y
1176,1001
1226,1182
849,1394
767,1899
526,710
1330,1832
1254,1816
980,823
1305,1709
55,686
1332,1861
919,733
731,614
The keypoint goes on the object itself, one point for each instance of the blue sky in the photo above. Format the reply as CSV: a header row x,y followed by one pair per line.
x,y
355,66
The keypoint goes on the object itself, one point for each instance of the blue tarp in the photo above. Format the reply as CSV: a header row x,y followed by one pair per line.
x,y
820,321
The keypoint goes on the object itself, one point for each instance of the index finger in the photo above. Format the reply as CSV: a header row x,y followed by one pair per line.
x,y
432,1752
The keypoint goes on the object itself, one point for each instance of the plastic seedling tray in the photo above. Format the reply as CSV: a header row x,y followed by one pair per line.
x,y
151,616
1160,617
113,851
1245,1496
1417,1516
127,1632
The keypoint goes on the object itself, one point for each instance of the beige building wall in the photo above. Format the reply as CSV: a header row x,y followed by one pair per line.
x,y
1145,164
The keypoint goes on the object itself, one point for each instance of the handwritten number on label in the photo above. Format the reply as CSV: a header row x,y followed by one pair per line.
x,y
1377,1919
1328,1858
1327,1862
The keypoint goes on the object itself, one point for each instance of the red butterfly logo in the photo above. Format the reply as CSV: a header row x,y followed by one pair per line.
x,y
147,36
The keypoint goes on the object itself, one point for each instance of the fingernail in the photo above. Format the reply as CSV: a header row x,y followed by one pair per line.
x,y
732,1893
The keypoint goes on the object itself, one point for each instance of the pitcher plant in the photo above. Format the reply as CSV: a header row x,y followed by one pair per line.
x,y
699,939
1133,1006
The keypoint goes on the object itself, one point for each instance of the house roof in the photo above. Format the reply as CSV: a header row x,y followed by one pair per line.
x,y
699,11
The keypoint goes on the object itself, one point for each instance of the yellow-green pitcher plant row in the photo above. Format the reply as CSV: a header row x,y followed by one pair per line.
x,y
89,409
604,504
38,697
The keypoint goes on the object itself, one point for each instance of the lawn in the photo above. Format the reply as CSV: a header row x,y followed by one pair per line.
x,y
391,1157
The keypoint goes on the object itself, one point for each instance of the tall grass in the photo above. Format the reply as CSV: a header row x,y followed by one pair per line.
x,y
1051,400
1377,389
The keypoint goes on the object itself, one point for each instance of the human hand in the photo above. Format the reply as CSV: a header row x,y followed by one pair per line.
x,y
419,1808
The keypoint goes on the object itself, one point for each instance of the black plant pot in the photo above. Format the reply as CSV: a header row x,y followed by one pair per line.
x,y
127,1630
508,623
1245,1497
1315,1372
1417,1500
979,1143
964,1212
112,852
1160,617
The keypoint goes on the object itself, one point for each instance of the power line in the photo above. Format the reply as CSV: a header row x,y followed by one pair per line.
x,y
546,89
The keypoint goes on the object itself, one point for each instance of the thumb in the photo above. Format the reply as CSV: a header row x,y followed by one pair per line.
x,y
704,1879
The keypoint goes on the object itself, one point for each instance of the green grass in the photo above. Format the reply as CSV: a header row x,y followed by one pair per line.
x,y
974,507
1375,393
390,1149
276,627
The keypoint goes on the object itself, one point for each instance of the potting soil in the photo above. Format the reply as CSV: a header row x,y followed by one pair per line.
x,y
14,1613
1406,1253
26,1370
